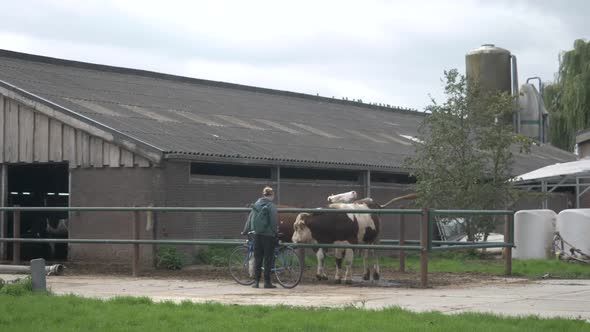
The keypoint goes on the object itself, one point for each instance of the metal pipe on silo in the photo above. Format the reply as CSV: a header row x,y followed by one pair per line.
x,y
516,118
541,132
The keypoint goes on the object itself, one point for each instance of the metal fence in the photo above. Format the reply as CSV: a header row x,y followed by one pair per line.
x,y
424,245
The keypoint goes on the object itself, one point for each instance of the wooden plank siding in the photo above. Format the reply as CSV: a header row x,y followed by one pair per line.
x,y
69,145
26,123
55,140
11,144
28,136
41,138
126,158
96,152
115,155
2,131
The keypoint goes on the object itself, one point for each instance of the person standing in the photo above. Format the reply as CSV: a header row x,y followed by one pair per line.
x,y
263,221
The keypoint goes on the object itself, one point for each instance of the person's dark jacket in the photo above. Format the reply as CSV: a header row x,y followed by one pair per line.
x,y
273,225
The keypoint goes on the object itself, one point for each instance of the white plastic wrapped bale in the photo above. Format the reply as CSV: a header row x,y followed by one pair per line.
x,y
533,234
574,227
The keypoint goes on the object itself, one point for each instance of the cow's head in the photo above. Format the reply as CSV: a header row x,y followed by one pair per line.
x,y
301,233
347,197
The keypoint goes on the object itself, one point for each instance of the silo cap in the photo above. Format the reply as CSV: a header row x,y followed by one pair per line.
x,y
488,48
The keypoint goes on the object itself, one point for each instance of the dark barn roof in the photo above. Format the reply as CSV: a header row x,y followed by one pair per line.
x,y
198,119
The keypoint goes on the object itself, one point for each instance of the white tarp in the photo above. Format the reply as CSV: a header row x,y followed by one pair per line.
x,y
562,169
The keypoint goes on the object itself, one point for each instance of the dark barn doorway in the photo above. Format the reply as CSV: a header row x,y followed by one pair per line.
x,y
39,185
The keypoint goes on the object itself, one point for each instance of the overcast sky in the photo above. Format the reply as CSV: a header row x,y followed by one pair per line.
x,y
390,52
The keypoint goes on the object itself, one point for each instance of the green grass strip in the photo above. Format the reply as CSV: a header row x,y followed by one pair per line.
x,y
71,313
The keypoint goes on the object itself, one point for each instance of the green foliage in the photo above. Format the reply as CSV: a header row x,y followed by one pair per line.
x,y
170,258
568,98
18,288
463,159
70,313
215,255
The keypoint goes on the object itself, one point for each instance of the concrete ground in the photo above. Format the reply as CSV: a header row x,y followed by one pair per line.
x,y
514,297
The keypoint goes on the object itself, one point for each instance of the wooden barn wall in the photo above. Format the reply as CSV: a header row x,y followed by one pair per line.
x,y
27,136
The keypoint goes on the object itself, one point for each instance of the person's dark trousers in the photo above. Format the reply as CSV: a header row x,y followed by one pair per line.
x,y
264,246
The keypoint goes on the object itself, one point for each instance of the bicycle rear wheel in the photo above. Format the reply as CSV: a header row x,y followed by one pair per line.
x,y
288,267
241,265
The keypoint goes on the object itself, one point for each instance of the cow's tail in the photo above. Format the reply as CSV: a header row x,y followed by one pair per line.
x,y
408,196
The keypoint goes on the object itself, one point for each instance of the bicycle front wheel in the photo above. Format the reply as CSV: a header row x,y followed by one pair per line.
x,y
241,265
288,267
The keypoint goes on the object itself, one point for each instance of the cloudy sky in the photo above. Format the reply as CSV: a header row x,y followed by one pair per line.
x,y
390,52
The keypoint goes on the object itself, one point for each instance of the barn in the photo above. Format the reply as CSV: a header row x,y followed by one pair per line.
x,y
81,134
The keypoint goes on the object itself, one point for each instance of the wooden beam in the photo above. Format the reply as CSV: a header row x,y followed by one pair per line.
x,y
126,158
96,151
26,122
85,143
2,147
106,154
11,134
140,161
79,151
41,138
115,156
55,140
69,145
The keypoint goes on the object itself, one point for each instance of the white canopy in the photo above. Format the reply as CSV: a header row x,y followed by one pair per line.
x,y
577,167
574,174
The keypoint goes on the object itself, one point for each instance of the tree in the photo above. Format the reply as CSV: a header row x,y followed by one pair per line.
x,y
463,159
568,98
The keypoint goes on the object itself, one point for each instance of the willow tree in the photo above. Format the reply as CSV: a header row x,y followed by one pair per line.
x,y
568,98
464,153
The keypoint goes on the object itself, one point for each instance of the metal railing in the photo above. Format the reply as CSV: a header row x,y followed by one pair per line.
x,y
424,245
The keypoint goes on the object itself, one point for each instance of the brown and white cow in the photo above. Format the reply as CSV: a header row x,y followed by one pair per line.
x,y
286,221
342,228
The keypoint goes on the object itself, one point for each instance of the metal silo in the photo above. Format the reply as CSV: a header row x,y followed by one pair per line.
x,y
490,66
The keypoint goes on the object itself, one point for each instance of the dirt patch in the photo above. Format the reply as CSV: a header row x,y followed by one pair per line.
x,y
389,278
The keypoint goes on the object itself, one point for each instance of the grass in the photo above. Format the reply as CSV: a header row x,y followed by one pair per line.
x,y
71,313
447,262
462,262
20,287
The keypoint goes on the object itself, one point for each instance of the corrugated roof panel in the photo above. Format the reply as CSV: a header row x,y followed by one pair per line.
x,y
158,116
201,117
278,126
314,130
196,118
238,122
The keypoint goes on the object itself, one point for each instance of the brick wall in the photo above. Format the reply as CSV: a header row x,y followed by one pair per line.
x,y
110,187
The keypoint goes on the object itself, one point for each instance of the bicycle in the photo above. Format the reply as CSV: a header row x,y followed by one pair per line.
x,y
288,266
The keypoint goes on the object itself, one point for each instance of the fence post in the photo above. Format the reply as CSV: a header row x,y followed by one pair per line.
x,y
38,275
508,238
151,227
424,248
135,231
402,241
16,235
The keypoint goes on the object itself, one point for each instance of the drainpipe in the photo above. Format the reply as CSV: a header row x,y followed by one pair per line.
x,y
540,115
516,117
